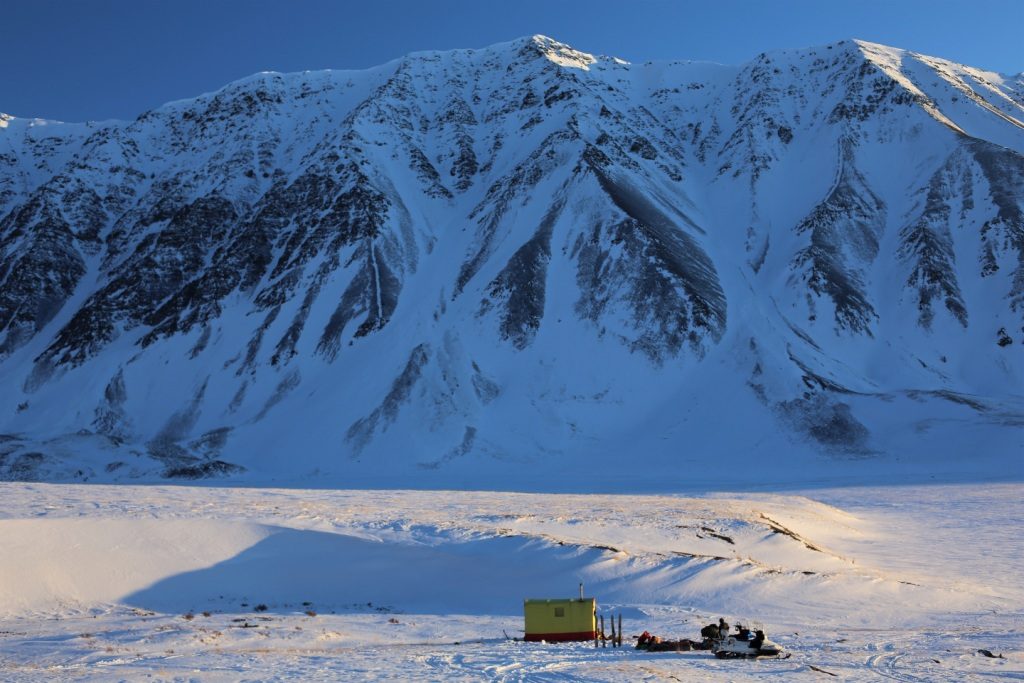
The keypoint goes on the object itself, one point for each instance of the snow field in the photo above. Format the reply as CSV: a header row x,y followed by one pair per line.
x,y
119,582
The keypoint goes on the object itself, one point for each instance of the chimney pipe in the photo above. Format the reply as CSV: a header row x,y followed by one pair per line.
x,y
581,590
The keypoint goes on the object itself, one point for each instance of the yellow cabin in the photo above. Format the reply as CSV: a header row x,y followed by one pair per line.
x,y
561,620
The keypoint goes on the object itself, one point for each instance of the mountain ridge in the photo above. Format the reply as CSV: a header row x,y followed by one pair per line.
x,y
424,271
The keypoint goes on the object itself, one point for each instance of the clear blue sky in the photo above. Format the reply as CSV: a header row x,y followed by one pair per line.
x,y
96,59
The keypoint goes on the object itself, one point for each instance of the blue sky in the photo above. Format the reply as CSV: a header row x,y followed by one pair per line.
x,y
98,59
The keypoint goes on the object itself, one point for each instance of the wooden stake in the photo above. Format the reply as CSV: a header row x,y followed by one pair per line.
x,y
620,629
603,641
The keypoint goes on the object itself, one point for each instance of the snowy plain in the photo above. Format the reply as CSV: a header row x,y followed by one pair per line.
x,y
169,583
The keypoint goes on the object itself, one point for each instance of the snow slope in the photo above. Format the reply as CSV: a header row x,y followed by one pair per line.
x,y
517,266
122,582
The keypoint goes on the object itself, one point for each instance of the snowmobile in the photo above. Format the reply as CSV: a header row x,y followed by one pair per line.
x,y
733,647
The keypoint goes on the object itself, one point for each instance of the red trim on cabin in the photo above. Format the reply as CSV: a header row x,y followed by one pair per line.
x,y
561,637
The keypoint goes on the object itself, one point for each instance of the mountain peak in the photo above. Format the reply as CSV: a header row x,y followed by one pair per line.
x,y
558,52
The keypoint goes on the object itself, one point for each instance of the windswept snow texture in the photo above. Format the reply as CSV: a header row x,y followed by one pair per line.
x,y
113,583
519,265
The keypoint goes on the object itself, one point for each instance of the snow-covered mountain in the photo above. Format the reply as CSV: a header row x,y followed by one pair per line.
x,y
524,265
